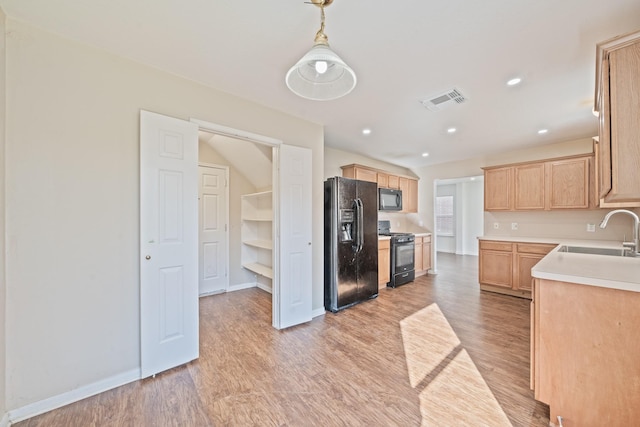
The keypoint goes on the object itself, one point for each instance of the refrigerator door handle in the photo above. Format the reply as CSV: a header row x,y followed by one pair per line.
x,y
359,225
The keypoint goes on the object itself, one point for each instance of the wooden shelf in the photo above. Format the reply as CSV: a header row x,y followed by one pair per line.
x,y
261,194
262,216
257,234
260,269
259,243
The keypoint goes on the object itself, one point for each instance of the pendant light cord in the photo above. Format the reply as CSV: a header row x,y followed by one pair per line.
x,y
321,37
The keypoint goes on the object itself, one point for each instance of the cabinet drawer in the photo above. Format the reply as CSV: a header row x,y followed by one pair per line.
x,y
496,246
535,248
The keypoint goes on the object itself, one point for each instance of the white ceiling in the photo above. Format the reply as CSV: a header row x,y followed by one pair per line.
x,y
402,52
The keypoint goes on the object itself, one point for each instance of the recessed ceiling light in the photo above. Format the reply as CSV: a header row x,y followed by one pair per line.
x,y
473,178
366,131
514,81
425,154
543,131
451,130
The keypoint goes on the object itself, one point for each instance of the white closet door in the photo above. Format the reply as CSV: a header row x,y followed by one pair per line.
x,y
213,248
292,299
168,242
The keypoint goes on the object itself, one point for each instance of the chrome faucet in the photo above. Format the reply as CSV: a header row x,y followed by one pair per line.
x,y
633,247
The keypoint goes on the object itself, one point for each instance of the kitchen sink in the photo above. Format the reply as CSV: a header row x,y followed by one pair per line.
x,y
594,251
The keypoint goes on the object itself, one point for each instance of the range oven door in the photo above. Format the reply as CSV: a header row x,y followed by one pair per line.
x,y
402,260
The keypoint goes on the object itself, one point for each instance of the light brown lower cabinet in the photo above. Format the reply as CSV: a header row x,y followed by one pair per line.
x,y
585,353
384,262
422,255
505,267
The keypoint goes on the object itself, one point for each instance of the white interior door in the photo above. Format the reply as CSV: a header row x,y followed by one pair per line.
x,y
168,242
292,298
213,231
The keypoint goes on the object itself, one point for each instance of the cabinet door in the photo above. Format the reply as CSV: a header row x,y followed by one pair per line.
x,y
604,140
496,268
384,263
394,182
413,196
426,253
404,187
418,254
524,264
383,180
366,175
497,189
568,184
624,84
529,186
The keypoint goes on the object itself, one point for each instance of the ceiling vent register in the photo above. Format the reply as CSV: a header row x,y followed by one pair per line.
x,y
443,100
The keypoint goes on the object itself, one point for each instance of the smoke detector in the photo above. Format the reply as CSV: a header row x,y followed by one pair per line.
x,y
445,99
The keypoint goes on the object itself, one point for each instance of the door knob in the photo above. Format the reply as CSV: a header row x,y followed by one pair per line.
x,y
147,257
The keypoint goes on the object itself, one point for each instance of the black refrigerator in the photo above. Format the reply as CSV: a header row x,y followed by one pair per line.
x,y
350,242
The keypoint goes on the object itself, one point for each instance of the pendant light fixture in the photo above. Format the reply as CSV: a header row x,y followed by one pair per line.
x,y
321,75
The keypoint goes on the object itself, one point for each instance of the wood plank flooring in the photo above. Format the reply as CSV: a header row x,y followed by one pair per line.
x,y
435,352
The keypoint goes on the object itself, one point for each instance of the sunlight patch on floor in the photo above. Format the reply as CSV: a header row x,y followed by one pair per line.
x,y
452,390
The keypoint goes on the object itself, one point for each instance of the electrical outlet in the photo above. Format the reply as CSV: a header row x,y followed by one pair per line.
x,y
496,225
591,228
514,225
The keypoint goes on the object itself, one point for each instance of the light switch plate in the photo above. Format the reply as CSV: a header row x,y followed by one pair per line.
x,y
591,228
496,225
514,225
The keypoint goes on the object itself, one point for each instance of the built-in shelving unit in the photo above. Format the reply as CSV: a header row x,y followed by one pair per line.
x,y
257,235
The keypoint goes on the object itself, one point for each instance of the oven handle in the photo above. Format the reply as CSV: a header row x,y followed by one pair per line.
x,y
359,225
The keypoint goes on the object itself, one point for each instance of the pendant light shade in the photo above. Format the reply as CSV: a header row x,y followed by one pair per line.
x,y
321,75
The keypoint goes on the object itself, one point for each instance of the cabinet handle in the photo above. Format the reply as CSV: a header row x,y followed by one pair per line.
x,y
148,257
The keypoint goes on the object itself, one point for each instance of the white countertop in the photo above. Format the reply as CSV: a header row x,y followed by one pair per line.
x,y
586,269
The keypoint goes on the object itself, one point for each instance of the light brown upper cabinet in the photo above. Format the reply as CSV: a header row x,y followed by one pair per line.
x,y
529,186
563,183
383,180
498,189
408,185
618,105
568,183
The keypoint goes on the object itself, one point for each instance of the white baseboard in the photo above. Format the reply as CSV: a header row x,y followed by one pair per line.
x,y
51,403
241,286
264,287
318,312
208,294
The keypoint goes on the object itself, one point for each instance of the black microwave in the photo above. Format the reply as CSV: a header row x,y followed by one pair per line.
x,y
389,200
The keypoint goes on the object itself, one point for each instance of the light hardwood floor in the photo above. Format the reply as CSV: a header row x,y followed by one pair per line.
x,y
435,352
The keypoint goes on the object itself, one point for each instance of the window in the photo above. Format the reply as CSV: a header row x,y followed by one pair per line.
x,y
444,216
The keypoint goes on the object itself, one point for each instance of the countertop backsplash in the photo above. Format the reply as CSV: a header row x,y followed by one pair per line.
x,y
560,224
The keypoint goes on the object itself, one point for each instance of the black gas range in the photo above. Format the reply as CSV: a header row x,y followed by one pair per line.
x,y
402,263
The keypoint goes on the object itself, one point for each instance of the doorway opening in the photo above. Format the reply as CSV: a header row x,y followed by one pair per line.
x,y
244,258
458,215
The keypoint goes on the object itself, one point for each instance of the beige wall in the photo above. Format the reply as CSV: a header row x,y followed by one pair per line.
x,y
557,224
72,198
334,158
3,101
